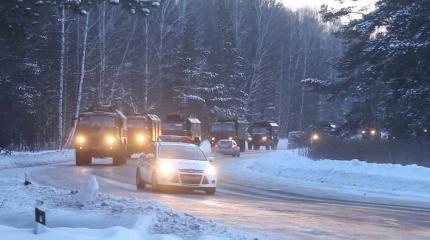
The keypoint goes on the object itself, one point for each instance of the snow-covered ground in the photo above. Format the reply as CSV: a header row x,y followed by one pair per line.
x,y
357,177
29,159
70,215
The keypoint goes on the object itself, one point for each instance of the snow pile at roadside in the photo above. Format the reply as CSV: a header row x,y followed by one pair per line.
x,y
105,217
30,159
354,176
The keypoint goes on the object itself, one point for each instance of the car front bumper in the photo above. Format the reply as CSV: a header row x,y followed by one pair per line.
x,y
189,181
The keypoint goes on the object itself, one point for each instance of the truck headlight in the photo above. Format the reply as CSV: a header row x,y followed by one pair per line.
x,y
210,170
213,138
264,138
140,138
373,132
110,140
166,169
250,139
80,139
315,137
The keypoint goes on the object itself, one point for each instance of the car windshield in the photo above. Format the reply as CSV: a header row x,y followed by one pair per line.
x,y
260,130
135,122
172,126
225,127
97,121
225,143
181,152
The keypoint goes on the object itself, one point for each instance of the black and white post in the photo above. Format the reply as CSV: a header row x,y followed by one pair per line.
x,y
40,217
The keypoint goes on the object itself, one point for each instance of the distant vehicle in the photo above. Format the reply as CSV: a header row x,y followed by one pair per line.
x,y
175,138
101,132
372,134
228,129
263,133
176,165
297,139
142,130
319,131
227,147
178,125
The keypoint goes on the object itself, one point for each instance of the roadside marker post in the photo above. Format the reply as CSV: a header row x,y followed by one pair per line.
x,y
40,217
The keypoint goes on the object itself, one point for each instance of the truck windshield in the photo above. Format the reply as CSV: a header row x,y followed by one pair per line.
x,y
181,152
225,127
135,123
97,121
172,126
260,130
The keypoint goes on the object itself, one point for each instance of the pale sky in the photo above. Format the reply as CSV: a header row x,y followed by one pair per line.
x,y
294,4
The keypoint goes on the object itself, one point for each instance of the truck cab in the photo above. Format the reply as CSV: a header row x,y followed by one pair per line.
x,y
263,133
177,125
142,131
228,129
101,132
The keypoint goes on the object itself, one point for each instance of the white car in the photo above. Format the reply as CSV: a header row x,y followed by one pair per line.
x,y
179,165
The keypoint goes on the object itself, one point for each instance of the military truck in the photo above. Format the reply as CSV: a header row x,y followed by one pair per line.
x,y
101,132
263,133
177,125
142,131
228,129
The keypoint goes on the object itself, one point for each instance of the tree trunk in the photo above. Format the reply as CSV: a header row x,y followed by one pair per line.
x,y
146,83
81,82
102,48
61,88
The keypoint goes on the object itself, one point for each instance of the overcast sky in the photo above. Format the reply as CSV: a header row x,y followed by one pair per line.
x,y
294,4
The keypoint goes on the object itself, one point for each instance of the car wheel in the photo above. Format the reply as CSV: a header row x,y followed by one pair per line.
x,y
154,183
140,184
210,191
82,158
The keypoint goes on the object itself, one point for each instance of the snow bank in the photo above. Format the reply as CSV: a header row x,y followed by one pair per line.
x,y
105,217
411,181
30,159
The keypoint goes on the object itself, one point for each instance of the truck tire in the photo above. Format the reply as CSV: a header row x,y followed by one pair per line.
x,y
210,191
267,147
242,145
140,184
256,147
83,158
119,158
249,146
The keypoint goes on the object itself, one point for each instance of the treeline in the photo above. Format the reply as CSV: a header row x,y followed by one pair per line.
x,y
212,58
384,73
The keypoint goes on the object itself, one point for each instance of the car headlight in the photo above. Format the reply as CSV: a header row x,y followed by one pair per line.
x,y
140,138
230,138
264,138
363,132
210,170
166,169
80,140
213,138
373,132
315,137
110,140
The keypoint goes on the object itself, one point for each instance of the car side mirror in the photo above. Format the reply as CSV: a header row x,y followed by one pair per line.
x,y
211,159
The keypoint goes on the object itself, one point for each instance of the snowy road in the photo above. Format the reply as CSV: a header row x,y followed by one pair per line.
x,y
277,211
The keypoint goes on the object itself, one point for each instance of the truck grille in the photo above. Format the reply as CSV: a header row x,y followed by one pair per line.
x,y
191,179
